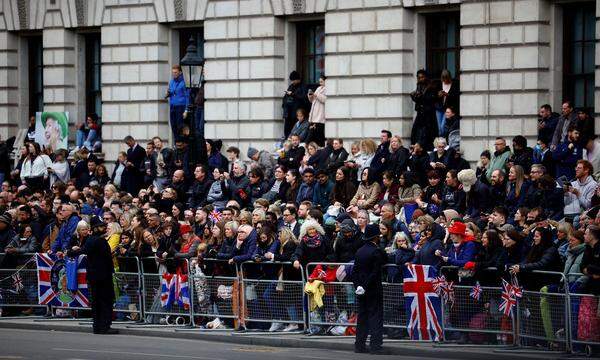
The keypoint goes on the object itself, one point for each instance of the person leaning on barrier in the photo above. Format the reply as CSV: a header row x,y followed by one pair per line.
x,y
100,276
590,264
367,276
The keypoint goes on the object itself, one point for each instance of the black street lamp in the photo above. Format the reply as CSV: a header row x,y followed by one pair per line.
x,y
193,72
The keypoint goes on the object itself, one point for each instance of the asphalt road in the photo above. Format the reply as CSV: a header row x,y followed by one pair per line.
x,y
32,344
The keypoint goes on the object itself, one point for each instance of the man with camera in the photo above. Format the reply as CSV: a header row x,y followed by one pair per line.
x,y
579,192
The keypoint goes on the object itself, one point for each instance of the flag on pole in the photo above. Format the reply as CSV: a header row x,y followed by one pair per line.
x,y
476,291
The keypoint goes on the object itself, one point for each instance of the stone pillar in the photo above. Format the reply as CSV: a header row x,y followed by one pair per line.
x,y
369,64
59,72
135,75
504,76
9,84
245,73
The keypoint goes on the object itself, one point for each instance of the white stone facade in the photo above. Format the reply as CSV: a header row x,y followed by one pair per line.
x,y
509,64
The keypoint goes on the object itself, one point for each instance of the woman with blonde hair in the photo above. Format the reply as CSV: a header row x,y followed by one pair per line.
x,y
245,217
367,153
516,188
113,237
258,215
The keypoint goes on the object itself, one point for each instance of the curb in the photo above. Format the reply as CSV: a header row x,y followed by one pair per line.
x,y
395,348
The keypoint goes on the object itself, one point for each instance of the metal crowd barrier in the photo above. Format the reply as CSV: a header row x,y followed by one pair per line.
x,y
475,321
256,292
537,309
215,290
339,301
268,297
154,311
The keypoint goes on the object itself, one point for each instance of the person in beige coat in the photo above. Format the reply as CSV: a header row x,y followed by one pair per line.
x,y
316,118
367,194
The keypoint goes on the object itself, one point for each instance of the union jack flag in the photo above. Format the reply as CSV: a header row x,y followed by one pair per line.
x,y
215,216
17,282
448,293
52,282
167,290
423,304
508,299
439,283
476,291
174,287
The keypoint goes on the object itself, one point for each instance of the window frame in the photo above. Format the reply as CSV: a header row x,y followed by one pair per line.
x,y
430,50
93,70
35,48
569,77
305,30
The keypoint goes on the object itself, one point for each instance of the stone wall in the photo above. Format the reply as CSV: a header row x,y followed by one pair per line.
x,y
373,48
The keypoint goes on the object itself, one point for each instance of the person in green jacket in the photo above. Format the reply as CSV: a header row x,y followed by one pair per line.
x,y
499,157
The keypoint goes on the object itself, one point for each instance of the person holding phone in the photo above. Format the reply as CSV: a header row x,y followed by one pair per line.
x,y
316,118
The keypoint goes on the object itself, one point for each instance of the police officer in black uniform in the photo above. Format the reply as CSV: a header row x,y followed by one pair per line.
x,y
367,278
99,275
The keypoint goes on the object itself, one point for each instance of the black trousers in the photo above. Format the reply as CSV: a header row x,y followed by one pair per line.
x,y
103,297
316,133
370,320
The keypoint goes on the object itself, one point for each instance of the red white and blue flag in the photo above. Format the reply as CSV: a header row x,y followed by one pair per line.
x,y
215,216
174,287
476,291
53,288
509,299
423,305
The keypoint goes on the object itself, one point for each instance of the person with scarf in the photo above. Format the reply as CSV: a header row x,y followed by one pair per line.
x,y
187,247
314,245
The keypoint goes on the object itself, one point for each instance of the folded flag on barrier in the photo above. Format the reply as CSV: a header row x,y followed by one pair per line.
x,y
508,299
174,287
423,305
167,291
53,288
476,291
17,282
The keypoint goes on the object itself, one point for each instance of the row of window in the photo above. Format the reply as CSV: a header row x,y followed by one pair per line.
x,y
442,52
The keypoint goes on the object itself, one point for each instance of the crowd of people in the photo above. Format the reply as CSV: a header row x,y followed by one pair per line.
x,y
521,209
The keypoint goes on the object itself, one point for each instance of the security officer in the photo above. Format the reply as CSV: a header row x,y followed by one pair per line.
x,y
99,275
367,277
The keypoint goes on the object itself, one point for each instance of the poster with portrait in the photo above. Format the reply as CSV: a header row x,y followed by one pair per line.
x,y
52,129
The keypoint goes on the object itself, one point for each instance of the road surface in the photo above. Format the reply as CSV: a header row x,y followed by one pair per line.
x,y
42,344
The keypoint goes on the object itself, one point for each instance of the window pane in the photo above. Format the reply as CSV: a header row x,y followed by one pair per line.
x,y
310,50
589,92
588,57
578,94
578,26
451,62
577,60
589,27
451,33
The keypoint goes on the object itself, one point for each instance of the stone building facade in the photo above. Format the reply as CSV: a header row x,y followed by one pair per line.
x,y
510,57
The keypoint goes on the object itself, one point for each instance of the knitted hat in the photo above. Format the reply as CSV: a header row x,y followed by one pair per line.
x,y
251,152
6,218
184,229
458,228
347,226
467,178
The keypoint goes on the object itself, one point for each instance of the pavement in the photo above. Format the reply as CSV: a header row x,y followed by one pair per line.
x,y
32,338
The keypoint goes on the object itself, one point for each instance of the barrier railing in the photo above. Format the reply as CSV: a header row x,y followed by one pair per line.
x,y
476,321
536,310
584,319
339,300
268,292
215,291
154,311
271,295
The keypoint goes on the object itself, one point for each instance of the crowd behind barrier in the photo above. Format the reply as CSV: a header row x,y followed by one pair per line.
x,y
251,294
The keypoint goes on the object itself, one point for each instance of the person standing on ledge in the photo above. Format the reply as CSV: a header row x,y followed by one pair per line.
x,y
179,97
368,263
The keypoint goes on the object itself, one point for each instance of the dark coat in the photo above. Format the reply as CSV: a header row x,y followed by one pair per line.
x,y
367,271
198,192
292,158
335,160
426,254
133,175
397,161
99,258
345,249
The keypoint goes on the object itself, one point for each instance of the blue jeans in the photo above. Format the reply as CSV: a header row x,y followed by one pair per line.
x,y
176,119
441,121
87,141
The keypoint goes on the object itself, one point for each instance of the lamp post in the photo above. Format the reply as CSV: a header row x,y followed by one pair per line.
x,y
193,72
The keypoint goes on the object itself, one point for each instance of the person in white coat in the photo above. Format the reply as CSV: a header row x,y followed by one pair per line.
x,y
316,118
34,168
59,170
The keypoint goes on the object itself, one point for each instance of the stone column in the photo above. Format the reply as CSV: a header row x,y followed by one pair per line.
x,y
135,75
504,70
9,80
369,63
59,72
245,73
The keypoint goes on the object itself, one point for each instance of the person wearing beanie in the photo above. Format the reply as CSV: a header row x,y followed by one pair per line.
x,y
294,98
478,195
347,242
263,160
188,246
367,277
